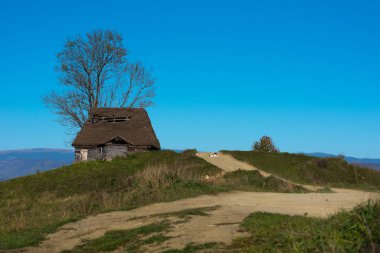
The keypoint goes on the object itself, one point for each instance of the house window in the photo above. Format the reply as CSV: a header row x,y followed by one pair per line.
x,y
109,119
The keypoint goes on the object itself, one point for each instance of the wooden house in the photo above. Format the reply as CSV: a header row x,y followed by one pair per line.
x,y
111,132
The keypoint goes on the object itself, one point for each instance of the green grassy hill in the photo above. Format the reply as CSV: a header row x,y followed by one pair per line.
x,y
35,205
32,206
304,169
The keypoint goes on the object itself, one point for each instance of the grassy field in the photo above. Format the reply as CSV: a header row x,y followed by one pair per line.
x,y
354,231
32,206
303,169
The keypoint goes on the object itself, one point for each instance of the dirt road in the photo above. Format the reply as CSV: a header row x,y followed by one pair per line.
x,y
221,226
227,163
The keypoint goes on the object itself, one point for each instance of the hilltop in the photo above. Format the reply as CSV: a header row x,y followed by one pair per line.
x,y
36,205
17,163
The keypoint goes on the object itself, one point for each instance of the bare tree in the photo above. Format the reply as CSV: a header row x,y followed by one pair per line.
x,y
94,72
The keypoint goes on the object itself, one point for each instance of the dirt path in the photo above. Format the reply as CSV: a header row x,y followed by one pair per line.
x,y
221,226
228,163
234,207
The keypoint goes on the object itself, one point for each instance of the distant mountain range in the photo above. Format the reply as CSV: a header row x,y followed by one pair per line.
x,y
17,163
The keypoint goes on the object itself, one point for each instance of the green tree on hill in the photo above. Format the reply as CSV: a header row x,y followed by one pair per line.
x,y
265,144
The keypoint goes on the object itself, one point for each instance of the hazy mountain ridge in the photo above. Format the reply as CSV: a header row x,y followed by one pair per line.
x,y
16,163
37,153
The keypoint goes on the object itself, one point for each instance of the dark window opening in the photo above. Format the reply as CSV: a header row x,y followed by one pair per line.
x,y
96,119
118,140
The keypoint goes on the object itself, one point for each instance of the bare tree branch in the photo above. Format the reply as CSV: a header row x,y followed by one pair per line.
x,y
93,71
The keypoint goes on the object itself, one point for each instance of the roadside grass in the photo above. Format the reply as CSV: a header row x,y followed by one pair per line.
x,y
357,230
253,181
332,172
29,236
133,240
324,190
186,213
130,240
33,206
182,214
191,247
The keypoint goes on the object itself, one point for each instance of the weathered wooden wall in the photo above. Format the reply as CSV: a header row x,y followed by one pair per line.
x,y
108,152
114,150
96,154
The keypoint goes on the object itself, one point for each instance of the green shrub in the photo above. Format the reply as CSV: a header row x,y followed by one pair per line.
x,y
265,144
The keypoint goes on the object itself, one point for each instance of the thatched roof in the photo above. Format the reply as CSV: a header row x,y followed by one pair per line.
x,y
134,126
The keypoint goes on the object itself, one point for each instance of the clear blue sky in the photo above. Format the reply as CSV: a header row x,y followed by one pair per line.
x,y
306,73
